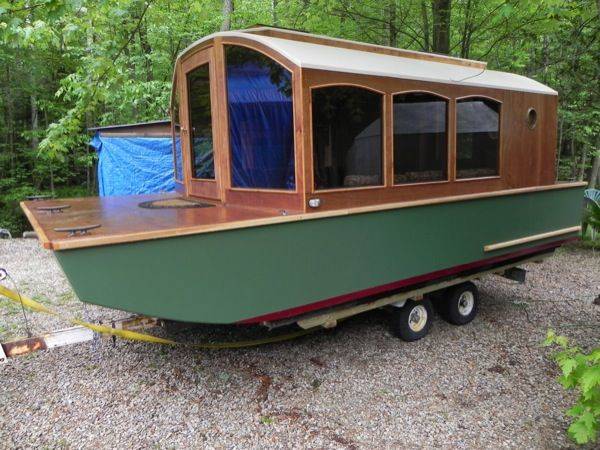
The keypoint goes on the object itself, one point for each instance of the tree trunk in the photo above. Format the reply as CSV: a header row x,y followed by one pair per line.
x,y
595,173
583,164
441,25
465,45
146,49
274,11
227,10
34,116
51,179
425,17
559,147
392,31
10,120
573,160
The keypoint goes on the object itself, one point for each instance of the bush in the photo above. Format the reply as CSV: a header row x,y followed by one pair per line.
x,y
581,372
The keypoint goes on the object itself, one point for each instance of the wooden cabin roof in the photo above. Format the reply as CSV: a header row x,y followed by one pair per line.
x,y
322,53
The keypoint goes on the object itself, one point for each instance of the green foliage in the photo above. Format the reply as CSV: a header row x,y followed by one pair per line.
x,y
71,64
580,372
592,217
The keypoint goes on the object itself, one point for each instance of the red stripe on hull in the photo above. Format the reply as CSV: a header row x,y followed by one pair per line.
x,y
334,301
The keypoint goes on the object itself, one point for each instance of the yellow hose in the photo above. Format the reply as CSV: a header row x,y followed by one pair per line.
x,y
135,336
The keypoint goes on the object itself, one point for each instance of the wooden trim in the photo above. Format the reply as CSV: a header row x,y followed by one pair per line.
x,y
385,162
92,241
291,68
222,123
261,48
535,237
420,91
274,190
465,97
501,150
336,84
491,177
36,226
349,189
202,187
448,100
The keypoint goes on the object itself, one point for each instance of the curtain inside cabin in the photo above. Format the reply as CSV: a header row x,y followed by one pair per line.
x,y
261,130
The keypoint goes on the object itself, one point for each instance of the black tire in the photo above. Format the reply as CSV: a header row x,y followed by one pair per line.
x,y
411,311
461,304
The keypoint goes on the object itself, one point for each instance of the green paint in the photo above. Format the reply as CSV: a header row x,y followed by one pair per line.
x,y
233,275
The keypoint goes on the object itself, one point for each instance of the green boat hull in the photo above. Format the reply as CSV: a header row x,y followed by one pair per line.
x,y
246,273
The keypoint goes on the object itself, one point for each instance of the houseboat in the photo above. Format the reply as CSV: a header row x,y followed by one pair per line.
x,y
317,175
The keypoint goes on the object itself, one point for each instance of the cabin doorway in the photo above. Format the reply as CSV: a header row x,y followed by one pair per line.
x,y
200,111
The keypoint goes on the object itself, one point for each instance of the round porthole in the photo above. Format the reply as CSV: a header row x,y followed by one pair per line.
x,y
531,118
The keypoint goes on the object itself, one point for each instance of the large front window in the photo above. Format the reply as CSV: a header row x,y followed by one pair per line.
x,y
347,137
261,124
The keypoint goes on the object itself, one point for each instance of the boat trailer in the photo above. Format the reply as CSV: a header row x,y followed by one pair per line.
x,y
128,328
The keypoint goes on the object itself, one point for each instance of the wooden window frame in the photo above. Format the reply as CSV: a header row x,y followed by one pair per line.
x,y
500,140
211,74
174,92
450,134
290,69
384,128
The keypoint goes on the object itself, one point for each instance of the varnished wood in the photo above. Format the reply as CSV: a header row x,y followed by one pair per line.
x,y
525,155
204,188
527,239
123,221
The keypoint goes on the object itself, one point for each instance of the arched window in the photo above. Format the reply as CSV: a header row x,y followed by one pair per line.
x,y
420,138
261,124
347,137
477,137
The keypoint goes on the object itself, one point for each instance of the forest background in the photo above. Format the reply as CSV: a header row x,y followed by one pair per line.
x,y
66,65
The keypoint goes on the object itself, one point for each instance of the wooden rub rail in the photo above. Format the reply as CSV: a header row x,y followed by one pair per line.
x,y
527,239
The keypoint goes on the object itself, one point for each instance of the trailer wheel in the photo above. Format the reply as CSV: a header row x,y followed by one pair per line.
x,y
461,304
413,320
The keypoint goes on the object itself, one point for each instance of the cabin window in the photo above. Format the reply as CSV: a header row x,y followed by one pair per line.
x,y
261,120
420,138
477,137
203,165
347,137
176,130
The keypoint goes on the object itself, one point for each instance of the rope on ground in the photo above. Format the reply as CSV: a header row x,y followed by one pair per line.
x,y
143,337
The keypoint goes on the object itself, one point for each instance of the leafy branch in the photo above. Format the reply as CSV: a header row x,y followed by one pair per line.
x,y
580,372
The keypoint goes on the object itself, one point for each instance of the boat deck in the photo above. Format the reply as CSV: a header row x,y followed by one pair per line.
x,y
121,219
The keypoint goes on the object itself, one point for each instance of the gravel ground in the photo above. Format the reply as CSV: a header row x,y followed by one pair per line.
x,y
485,385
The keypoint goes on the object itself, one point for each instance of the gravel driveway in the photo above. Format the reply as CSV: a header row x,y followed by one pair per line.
x,y
485,385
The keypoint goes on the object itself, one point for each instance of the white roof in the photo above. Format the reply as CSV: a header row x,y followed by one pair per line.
x,y
325,57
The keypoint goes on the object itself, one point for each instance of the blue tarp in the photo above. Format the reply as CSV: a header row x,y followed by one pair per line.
x,y
134,165
260,127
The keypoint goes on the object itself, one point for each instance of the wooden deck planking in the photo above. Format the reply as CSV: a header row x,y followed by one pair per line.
x,y
123,220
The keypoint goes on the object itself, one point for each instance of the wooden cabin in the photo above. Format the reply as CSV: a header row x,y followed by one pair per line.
x,y
340,124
